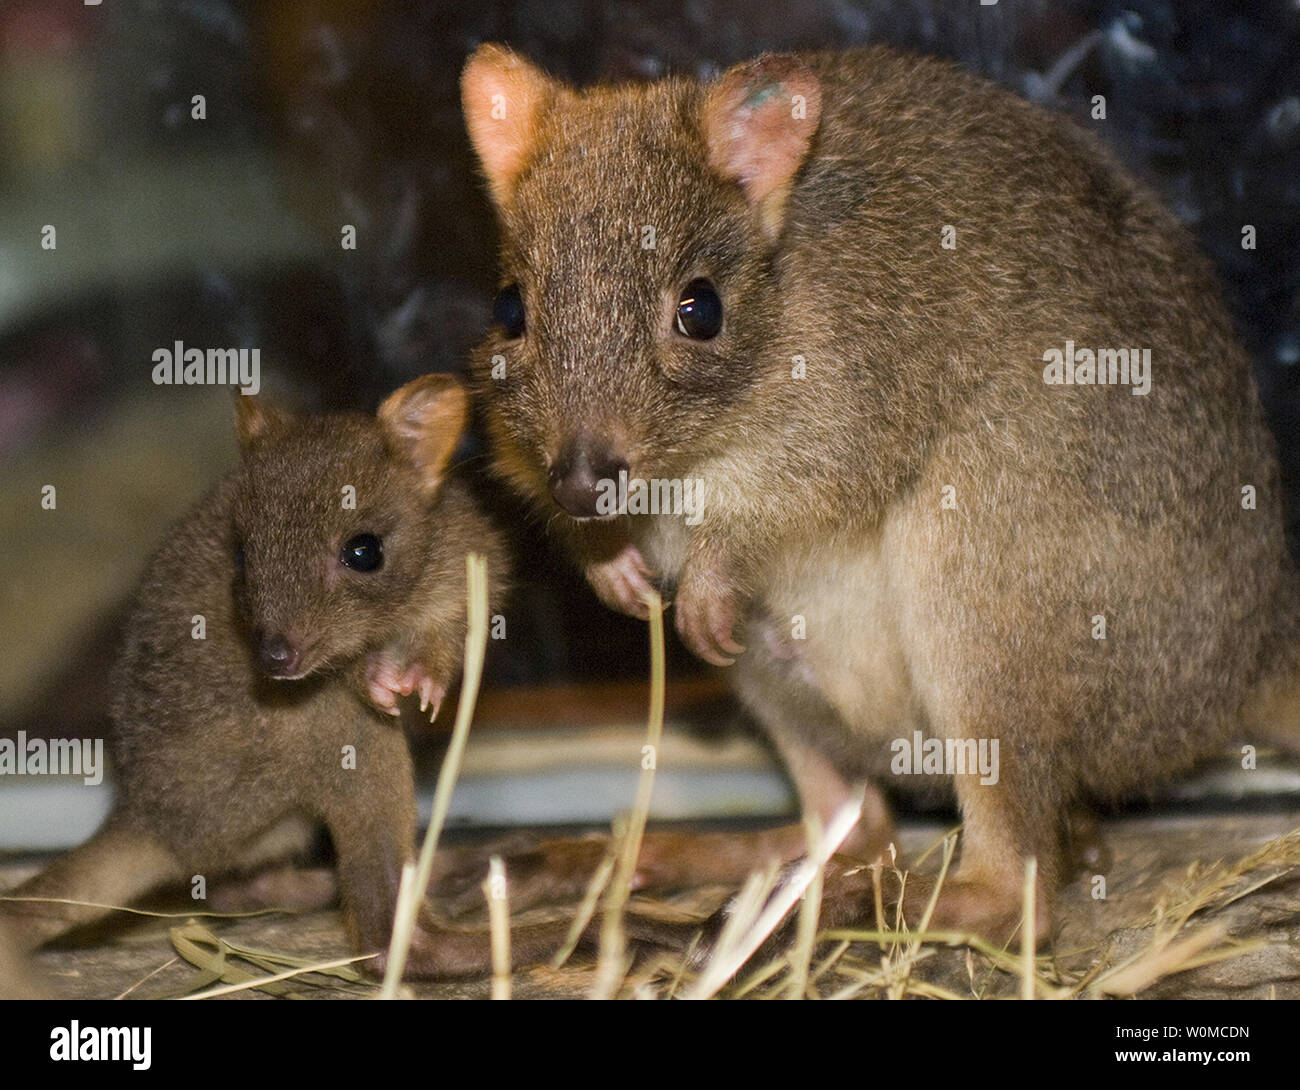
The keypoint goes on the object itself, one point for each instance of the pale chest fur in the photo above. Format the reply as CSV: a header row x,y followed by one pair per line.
x,y
824,619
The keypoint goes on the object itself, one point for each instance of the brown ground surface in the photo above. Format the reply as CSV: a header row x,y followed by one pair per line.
x,y
1151,856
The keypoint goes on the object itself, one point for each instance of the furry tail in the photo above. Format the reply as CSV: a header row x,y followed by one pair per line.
x,y
114,867
16,978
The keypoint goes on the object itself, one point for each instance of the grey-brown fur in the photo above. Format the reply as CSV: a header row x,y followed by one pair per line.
x,y
221,768
924,370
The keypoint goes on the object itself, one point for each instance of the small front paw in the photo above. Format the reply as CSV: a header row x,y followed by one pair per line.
x,y
623,581
706,613
384,683
388,680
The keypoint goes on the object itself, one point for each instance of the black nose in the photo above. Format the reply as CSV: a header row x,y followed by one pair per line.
x,y
277,657
585,473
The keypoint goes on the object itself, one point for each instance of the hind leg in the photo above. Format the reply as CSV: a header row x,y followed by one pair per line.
x,y
1002,828
265,880
1013,809
982,895
555,871
370,813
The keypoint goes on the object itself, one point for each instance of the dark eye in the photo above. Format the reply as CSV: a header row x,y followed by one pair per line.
x,y
508,311
362,553
699,311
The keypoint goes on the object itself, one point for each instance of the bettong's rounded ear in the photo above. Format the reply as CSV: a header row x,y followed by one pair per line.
x,y
255,419
503,98
758,121
423,422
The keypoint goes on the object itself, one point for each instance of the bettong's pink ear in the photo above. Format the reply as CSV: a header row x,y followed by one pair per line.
x,y
503,98
423,421
758,121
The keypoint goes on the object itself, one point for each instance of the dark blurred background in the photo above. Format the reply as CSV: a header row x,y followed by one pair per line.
x,y
224,231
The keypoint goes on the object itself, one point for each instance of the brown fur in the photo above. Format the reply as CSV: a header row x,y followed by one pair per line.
x,y
221,768
924,370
